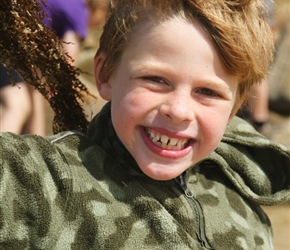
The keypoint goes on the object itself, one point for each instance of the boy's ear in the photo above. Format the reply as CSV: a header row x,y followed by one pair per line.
x,y
103,84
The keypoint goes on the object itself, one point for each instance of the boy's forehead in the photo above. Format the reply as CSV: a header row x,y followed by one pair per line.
x,y
170,44
143,30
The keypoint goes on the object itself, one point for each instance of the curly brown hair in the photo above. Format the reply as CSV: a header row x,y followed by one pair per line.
x,y
34,50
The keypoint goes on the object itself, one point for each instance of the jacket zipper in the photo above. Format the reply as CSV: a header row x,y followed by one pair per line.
x,y
199,217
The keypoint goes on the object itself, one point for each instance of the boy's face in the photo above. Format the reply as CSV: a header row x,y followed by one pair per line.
x,y
171,98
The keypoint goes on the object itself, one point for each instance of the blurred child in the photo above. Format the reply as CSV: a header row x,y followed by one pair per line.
x,y
258,100
69,20
165,164
22,106
15,101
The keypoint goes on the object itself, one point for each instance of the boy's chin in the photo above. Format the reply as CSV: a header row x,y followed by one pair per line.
x,y
161,173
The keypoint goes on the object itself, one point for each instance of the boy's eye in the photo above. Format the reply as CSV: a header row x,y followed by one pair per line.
x,y
154,79
208,92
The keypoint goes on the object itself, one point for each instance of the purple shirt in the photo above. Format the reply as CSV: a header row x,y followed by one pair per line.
x,y
67,15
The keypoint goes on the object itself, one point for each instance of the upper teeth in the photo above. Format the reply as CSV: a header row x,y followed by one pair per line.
x,y
165,141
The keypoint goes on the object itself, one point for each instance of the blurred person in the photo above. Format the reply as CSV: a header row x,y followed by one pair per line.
x,y
259,95
259,106
36,122
98,10
19,114
69,20
15,102
97,17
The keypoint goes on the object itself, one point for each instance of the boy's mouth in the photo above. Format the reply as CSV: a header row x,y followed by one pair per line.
x,y
165,141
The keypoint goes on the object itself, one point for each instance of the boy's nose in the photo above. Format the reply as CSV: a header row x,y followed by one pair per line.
x,y
178,107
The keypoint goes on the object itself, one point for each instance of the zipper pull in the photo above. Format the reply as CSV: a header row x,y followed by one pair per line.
x,y
180,180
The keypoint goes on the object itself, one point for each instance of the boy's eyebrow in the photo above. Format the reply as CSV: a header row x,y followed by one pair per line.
x,y
217,84
149,68
154,68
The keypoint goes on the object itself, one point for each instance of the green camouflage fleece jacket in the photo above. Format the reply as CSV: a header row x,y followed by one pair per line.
x,y
76,191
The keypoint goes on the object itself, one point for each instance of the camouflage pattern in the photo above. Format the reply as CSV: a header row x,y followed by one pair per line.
x,y
76,191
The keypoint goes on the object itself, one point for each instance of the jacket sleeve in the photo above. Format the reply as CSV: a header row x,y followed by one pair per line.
x,y
25,209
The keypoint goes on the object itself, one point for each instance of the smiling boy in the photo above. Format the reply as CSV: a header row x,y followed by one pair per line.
x,y
165,164
175,98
